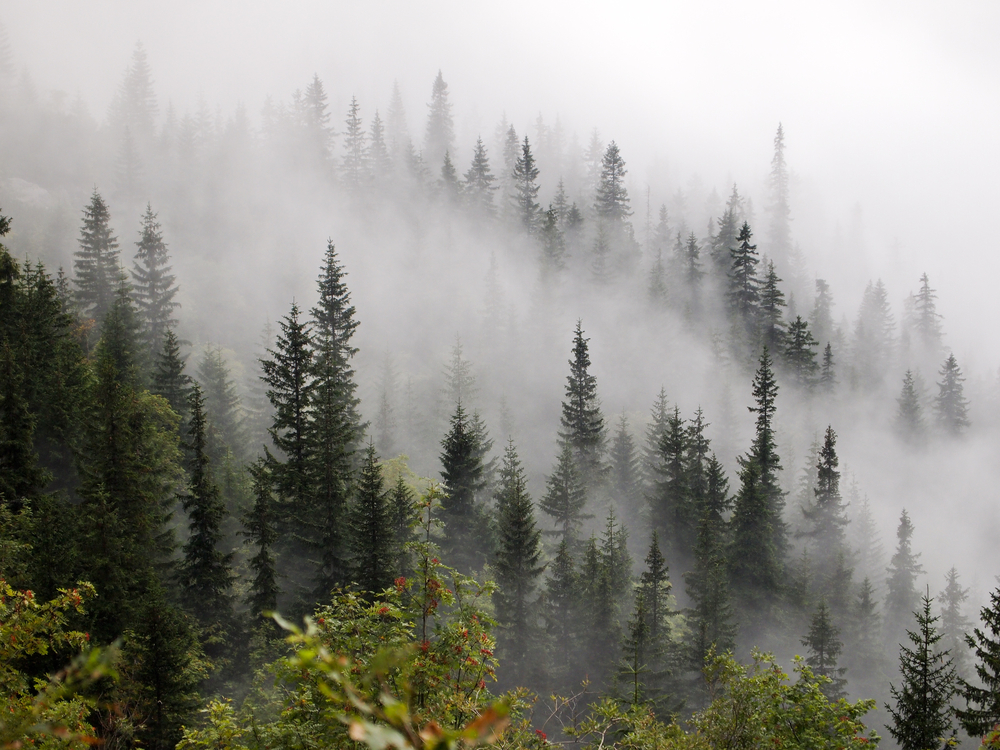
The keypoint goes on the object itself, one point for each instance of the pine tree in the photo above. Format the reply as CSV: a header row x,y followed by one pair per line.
x,y
611,201
565,496
440,134
826,515
799,355
724,241
169,379
524,199
657,427
260,531
553,246
865,652
625,477
982,710
335,430
562,615
372,536
827,375
354,166
950,406
206,573
517,563
903,570
96,262
635,653
922,714
744,287
771,327
821,317
478,187
583,428
404,514
222,405
954,624
909,422
153,286
602,632
823,642
672,512
462,472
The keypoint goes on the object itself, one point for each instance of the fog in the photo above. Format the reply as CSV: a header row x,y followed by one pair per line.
x,y
889,113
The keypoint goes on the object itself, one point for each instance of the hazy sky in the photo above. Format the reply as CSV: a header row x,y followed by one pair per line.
x,y
893,105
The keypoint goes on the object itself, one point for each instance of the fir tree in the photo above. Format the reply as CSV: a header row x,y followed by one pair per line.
x,y
724,241
404,515
517,563
874,336
524,199
954,624
354,166
478,187
744,287
823,642
561,612
865,652
771,327
657,427
903,570
153,286
439,137
909,422
565,497
461,383
950,406
827,375
922,715
206,573
602,632
821,317
134,106
462,472
625,477
335,429
982,710
553,246
373,559
377,157
778,208
927,320
261,533
96,262
583,428
612,202
450,187
672,512
657,289
799,355
600,267
222,405
826,515
169,378
635,653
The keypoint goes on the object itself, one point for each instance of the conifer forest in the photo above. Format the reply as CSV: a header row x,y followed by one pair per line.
x,y
381,412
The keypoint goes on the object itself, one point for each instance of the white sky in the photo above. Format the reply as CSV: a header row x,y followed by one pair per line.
x,y
893,105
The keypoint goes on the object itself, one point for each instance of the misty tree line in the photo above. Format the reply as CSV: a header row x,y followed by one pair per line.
x,y
195,510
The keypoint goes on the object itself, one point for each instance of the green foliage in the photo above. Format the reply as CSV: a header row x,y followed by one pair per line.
x,y
154,287
982,711
96,262
373,539
462,472
583,427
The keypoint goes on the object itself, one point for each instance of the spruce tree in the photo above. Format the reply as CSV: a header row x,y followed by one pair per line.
x,y
950,406
565,497
372,536
449,184
927,320
770,323
602,630
826,515
799,354
553,246
954,624
827,375
335,429
462,472
353,165
261,533
865,654
206,574
611,201
922,715
657,427
982,711
403,517
524,199
460,385
377,157
96,263
222,405
874,336
724,241
440,134
823,642
909,422
562,616
478,184
153,286
517,563
744,286
635,654
583,428
625,477
778,208
903,570
169,379
672,512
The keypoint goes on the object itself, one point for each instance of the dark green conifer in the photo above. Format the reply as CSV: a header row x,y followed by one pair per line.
x,y
825,646
372,536
909,422
553,245
922,716
903,569
950,406
169,379
96,263
222,405
827,374
261,533
562,615
826,516
799,355
657,427
478,186
462,472
724,241
153,286
565,497
625,477
612,202
524,200
982,711
770,319
404,513
335,428
954,624
583,428
744,286
671,511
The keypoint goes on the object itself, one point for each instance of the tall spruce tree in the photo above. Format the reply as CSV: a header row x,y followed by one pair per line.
x,y
625,477
922,716
583,428
954,624
372,537
260,531
903,570
206,574
404,514
982,711
770,319
744,286
611,201
671,510
517,564
525,185
825,646
439,136
562,616
565,497
478,187
553,246
169,379
462,472
222,405
950,406
799,354
926,319
96,263
827,373
826,515
353,165
153,286
778,200
909,421
335,429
